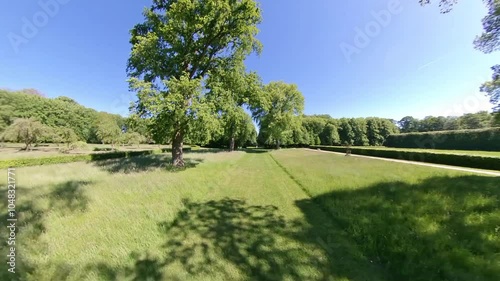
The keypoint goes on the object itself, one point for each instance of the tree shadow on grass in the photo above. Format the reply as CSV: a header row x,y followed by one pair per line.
x,y
31,211
442,228
228,236
69,196
138,164
229,239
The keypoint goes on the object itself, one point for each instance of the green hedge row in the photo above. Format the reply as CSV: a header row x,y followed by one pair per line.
x,y
470,161
72,158
481,139
75,158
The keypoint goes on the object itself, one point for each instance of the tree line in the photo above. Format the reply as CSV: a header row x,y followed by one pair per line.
x,y
479,120
28,117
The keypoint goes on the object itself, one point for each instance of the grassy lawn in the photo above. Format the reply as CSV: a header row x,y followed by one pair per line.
x,y
285,215
13,150
440,151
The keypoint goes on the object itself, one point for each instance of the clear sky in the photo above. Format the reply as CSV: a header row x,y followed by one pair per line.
x,y
416,62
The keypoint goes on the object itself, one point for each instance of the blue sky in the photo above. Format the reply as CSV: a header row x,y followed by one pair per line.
x,y
417,62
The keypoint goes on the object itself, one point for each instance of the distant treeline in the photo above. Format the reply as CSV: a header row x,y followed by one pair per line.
x,y
478,139
325,130
479,120
69,121
62,114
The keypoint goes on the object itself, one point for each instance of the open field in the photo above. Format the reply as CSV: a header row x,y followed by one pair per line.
x,y
438,151
283,215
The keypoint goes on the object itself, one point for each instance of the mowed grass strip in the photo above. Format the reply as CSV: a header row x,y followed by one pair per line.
x,y
437,151
416,223
229,216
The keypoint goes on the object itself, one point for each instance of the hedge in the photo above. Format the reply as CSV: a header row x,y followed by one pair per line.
x,y
480,139
470,161
72,158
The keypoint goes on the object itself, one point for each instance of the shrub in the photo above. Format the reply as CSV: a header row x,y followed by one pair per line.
x,y
481,139
470,161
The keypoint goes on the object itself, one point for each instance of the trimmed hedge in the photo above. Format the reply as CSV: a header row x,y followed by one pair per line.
x,y
15,163
480,139
470,161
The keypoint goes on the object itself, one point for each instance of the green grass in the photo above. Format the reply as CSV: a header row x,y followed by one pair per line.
x,y
438,151
285,215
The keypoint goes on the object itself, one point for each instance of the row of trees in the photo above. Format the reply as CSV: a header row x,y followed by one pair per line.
x,y
479,120
325,130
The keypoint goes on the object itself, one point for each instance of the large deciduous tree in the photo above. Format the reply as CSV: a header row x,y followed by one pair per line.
x,y
279,111
173,53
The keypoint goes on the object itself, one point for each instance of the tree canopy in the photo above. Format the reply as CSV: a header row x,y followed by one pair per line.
x,y
279,111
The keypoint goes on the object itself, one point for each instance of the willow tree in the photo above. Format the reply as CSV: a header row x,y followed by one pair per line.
x,y
175,50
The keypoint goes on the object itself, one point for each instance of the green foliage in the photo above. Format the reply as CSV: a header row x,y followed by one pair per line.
x,y
58,113
107,129
27,131
231,88
492,88
67,136
481,139
179,45
132,138
470,161
278,112
479,120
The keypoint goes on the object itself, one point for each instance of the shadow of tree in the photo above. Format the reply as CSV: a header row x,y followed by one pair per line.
x,y
442,228
68,196
229,235
139,164
31,210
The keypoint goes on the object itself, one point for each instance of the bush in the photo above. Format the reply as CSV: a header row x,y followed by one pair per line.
x,y
470,161
481,139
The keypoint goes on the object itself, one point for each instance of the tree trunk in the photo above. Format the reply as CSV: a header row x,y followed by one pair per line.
x,y
277,144
177,154
231,144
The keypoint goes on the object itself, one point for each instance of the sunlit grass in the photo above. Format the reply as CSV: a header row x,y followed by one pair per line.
x,y
285,215
439,151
